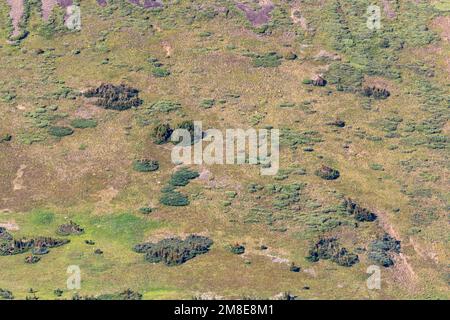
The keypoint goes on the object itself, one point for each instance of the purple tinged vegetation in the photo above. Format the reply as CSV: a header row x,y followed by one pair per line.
x,y
257,17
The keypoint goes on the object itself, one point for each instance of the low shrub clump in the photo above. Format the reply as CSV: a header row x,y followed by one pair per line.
x,y
113,97
329,248
83,123
376,93
70,228
161,133
174,199
182,177
60,131
360,214
382,249
39,245
174,251
327,173
268,60
237,248
145,165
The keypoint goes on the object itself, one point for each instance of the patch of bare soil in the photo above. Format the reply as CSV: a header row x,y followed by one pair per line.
x,y
257,17
16,14
298,18
47,7
18,181
168,48
443,23
325,55
10,225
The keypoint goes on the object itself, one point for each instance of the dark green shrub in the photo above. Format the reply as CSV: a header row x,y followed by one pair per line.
x,y
327,173
5,137
60,131
113,97
329,248
382,249
294,268
237,248
145,165
377,93
174,251
174,199
359,213
182,177
83,123
160,72
145,210
161,133
345,258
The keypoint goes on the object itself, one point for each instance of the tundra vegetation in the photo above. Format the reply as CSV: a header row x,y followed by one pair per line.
x,y
86,123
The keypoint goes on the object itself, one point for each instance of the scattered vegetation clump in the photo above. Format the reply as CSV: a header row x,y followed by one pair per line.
x,y
5,137
207,103
145,165
5,235
329,248
359,213
164,106
327,173
294,268
174,199
145,210
382,249
32,259
109,96
161,133
376,93
70,228
60,131
12,247
160,72
337,123
182,177
293,139
6,294
268,60
237,248
174,251
345,77
83,123
158,69
129,295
